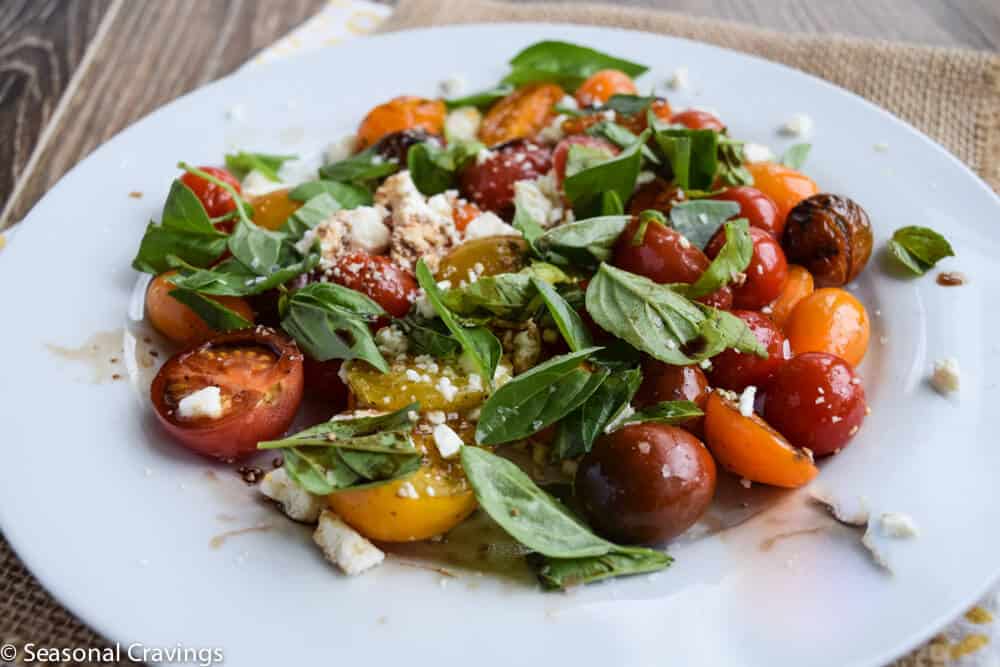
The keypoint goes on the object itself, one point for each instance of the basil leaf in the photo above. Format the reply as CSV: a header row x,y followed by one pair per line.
x,y
661,322
691,154
232,278
621,137
242,163
318,471
733,258
919,248
536,398
481,99
796,155
309,215
565,63
562,573
530,228
365,167
611,204
699,220
628,105
666,412
354,427
583,243
255,247
185,231
478,342
567,320
429,337
578,431
731,161
434,169
618,174
345,194
581,157
511,296
213,313
330,321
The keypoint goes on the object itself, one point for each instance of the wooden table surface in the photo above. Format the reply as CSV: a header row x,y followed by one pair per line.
x,y
75,72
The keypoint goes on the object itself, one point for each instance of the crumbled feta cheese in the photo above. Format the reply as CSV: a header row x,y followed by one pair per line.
x,y
436,417
679,79
746,400
407,490
896,524
489,224
757,152
553,132
946,377
424,306
569,102
854,514
345,547
475,382
665,471
341,149
447,441
412,375
391,341
463,124
530,199
644,447
745,483
799,125
206,402
483,156
361,228
446,388
452,86
297,503
421,229
527,349
256,184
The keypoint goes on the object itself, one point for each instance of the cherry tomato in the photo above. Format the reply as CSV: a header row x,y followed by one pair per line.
x,y
636,122
600,86
396,146
785,186
464,213
270,211
398,114
830,320
656,195
816,401
489,183
322,379
645,483
750,448
520,115
178,322
798,286
561,152
665,382
216,200
259,375
736,371
697,120
378,278
759,209
766,274
488,256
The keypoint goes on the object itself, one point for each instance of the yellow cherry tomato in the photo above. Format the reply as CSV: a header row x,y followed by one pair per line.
x,y
178,322
830,320
270,211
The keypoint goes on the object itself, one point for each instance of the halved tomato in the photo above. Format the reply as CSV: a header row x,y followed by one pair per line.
x,y
259,375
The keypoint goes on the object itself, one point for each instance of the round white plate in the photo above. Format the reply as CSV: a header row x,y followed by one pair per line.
x,y
117,521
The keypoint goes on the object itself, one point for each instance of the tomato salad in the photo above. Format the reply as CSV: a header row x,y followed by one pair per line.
x,y
557,265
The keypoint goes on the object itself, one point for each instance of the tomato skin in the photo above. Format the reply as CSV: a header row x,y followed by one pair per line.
x,y
817,402
561,152
736,371
216,200
322,379
657,195
398,114
785,186
179,323
694,119
521,115
766,273
830,320
601,85
759,209
490,183
378,278
262,398
665,382
270,211
798,286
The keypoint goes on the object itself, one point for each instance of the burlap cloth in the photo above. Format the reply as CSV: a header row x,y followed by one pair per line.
x,y
952,95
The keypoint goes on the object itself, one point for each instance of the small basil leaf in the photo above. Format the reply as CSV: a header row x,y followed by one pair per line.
x,y
611,204
666,412
353,427
318,471
691,154
919,248
796,155
618,174
376,467
563,573
583,243
733,258
184,212
317,209
581,157
232,278
365,167
185,231
628,105
242,163
481,99
255,247
565,63
699,220
731,163
578,431
429,337
347,195
213,313
621,137
567,320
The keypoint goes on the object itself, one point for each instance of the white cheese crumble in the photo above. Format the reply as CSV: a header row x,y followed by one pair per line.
x,y
897,524
206,402
407,490
855,514
391,341
527,349
463,124
297,503
447,441
569,102
436,417
679,79
746,400
345,547
446,388
799,125
452,86
489,224
946,376
624,414
256,184
341,149
553,132
757,153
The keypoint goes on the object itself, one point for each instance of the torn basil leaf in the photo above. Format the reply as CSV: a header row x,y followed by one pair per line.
x,y
564,63
481,99
732,160
231,278
691,154
796,155
242,163
584,243
700,219
435,168
666,412
213,313
567,320
429,336
621,137
255,247
617,174
579,430
563,573
361,169
185,231
317,209
347,195
628,105
919,248
732,260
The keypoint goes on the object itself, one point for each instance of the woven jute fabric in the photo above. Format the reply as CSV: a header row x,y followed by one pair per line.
x,y
952,95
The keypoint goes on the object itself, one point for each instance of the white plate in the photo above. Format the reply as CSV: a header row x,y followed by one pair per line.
x,y
116,521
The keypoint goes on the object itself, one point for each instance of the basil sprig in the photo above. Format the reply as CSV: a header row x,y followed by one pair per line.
x,y
918,249
733,259
796,155
345,453
584,243
185,231
231,278
564,63
578,431
699,220
617,174
213,313
242,163
362,169
347,195
512,296
330,321
435,168
661,322
666,412
538,397
571,553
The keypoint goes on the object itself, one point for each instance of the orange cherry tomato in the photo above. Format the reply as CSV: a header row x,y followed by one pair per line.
x,y
798,286
698,120
830,320
748,447
178,322
600,86
785,186
398,114
523,113
270,211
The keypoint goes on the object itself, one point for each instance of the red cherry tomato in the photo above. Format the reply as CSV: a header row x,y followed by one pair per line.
x,y
322,379
665,382
759,209
259,375
766,274
736,371
490,183
816,401
378,278
216,200
697,120
561,152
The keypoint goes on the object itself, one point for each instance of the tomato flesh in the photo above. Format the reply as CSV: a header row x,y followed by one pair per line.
x,y
215,199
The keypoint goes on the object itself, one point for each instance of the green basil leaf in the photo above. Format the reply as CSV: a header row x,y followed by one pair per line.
x,y
345,430
511,296
796,155
242,163
731,163
309,215
621,137
618,174
429,337
583,243
567,320
562,573
478,342
232,278
733,258
255,247
376,467
578,431
319,471
183,211
481,99
661,322
434,168
347,195
523,222
564,63
581,157
919,248
628,105
692,155
699,220
185,231
611,204
363,168
666,412
536,398
330,321
213,313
